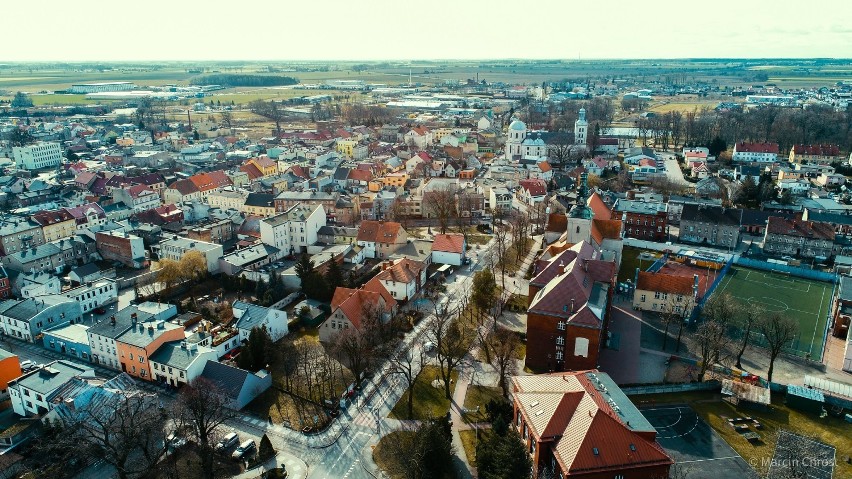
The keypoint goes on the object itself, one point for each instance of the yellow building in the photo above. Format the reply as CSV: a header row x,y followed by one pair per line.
x,y
266,166
56,225
346,147
259,204
395,179
124,141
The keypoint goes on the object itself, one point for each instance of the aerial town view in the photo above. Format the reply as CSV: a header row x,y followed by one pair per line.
x,y
374,242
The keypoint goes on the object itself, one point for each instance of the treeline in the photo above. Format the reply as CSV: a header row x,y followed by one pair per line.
x,y
234,79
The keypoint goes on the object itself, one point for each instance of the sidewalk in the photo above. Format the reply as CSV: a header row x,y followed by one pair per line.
x,y
296,468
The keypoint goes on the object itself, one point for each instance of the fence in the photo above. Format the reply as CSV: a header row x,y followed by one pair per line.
x,y
784,268
659,263
672,388
696,311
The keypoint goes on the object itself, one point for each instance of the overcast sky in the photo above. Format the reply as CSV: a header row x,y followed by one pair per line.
x,y
49,30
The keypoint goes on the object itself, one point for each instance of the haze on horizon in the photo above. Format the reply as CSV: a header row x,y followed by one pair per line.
x,y
161,30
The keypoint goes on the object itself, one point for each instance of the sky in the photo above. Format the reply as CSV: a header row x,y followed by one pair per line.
x,y
209,30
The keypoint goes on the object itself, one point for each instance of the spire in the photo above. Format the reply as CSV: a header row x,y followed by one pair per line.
x,y
581,209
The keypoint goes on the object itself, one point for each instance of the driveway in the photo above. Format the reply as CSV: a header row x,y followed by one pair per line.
x,y
673,172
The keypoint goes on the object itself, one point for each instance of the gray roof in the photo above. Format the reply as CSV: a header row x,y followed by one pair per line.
x,y
37,253
16,224
253,315
86,270
46,379
845,289
145,333
249,255
26,309
640,207
172,354
71,332
123,321
306,196
187,244
260,199
229,380
626,410
6,354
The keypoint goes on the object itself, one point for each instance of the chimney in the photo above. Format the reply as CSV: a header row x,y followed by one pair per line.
x,y
572,306
133,318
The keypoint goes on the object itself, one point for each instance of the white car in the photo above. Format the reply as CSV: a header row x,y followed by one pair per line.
x,y
26,365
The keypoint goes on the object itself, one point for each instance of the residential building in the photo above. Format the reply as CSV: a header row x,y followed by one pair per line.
x,y
500,199
338,209
351,308
136,345
380,239
665,293
227,199
249,316
36,283
818,154
643,220
138,197
403,279
94,294
88,215
755,153
33,393
103,334
294,229
124,248
178,363
17,233
449,249
238,385
337,235
213,231
710,225
37,156
248,258
842,308
532,191
259,204
176,247
10,368
56,224
569,303
46,257
799,238
27,318
70,339
581,425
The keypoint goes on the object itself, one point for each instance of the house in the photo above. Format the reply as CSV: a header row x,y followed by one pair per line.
x,y
634,156
135,345
712,225
10,368
294,229
103,334
500,199
55,224
17,233
799,238
380,239
259,204
27,318
137,197
249,316
88,215
449,249
36,283
176,247
402,278
353,308
33,393
178,363
248,258
755,152
643,220
227,199
419,136
581,425
69,339
238,385
569,303
532,191
665,293
815,154
94,294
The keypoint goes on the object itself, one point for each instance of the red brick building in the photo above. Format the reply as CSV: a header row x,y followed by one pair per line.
x,y
569,304
581,425
643,220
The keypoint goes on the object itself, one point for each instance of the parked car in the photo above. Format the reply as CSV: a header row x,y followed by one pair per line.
x,y
243,449
228,442
100,310
173,441
429,347
27,365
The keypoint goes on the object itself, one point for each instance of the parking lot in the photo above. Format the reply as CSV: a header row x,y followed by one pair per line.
x,y
694,446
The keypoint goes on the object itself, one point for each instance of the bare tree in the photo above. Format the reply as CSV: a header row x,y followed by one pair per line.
x,y
204,407
226,119
676,127
270,110
750,316
676,310
451,337
440,203
778,330
504,348
407,363
501,250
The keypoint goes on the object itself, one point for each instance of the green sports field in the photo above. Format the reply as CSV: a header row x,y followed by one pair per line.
x,y
807,301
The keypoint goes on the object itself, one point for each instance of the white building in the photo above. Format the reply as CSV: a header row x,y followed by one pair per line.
x,y
102,87
139,198
520,143
295,229
250,316
179,362
37,156
755,153
32,394
176,247
581,129
94,295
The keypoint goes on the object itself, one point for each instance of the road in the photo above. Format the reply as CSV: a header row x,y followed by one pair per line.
x,y
673,171
337,453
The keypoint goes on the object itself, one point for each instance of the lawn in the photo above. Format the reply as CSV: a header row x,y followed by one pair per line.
x,y
630,260
469,442
384,455
513,263
806,301
479,396
429,402
830,430
684,104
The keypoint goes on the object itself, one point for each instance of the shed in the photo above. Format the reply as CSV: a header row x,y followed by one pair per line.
x,y
805,399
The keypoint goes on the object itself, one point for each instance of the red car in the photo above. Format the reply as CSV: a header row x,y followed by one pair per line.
x,y
100,310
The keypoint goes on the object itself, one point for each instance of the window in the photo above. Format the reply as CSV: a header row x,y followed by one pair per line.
x,y
642,298
561,325
559,355
581,347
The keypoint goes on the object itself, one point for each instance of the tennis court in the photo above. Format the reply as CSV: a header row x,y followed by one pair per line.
x,y
805,300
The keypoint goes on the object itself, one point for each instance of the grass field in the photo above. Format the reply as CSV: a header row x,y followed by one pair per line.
x,y
806,301
429,401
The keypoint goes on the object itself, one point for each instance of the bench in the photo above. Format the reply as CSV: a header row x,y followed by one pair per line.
x,y
752,436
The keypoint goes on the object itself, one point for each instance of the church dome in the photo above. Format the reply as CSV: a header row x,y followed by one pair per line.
x,y
517,125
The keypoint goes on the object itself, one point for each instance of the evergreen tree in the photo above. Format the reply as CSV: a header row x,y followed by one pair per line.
x,y
333,276
257,351
265,450
748,193
503,457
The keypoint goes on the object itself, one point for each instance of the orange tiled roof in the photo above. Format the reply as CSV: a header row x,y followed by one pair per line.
x,y
664,283
450,243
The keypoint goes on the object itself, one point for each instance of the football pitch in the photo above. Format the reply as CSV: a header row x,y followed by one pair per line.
x,y
805,300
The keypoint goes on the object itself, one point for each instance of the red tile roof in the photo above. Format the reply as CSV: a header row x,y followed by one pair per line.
x,y
404,270
557,222
544,166
184,187
756,147
605,229
599,208
816,150
360,175
664,283
535,187
378,231
800,228
47,218
450,243
354,302
251,170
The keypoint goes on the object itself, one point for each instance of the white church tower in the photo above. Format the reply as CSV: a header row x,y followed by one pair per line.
x,y
581,129
517,134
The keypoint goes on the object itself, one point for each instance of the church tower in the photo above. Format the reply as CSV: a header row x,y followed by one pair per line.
x,y
581,129
516,136
580,215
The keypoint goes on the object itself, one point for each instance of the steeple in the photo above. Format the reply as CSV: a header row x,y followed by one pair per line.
x,y
581,209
